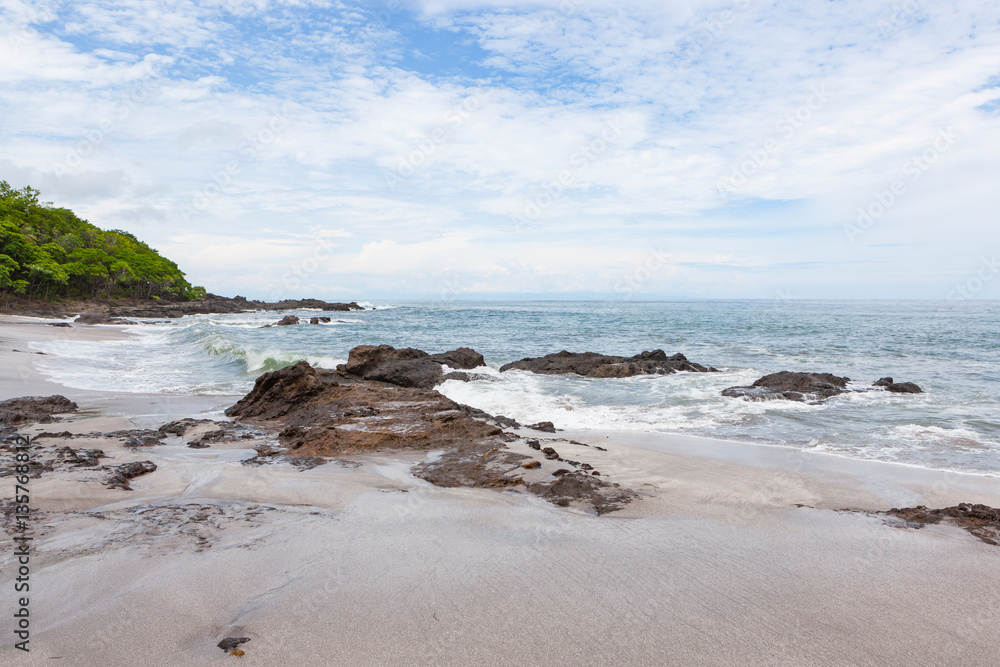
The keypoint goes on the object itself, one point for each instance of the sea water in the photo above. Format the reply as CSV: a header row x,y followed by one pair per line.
x,y
950,349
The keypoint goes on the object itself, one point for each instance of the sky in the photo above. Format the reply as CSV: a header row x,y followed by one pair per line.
x,y
457,149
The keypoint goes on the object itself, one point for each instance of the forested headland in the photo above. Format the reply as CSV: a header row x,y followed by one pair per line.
x,y
48,253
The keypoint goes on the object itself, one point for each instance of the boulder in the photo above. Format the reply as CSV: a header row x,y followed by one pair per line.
x,y
592,364
791,386
898,387
286,321
545,427
409,367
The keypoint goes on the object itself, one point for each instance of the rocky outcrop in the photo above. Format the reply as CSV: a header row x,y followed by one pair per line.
x,y
592,364
982,521
35,409
791,386
103,311
898,387
287,320
408,367
332,413
814,387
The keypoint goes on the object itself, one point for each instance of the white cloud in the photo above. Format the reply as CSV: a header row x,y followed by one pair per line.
x,y
308,120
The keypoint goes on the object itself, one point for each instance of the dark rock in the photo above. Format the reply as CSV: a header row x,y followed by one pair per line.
x,y
464,358
198,444
83,458
121,474
904,388
36,409
532,465
898,387
286,321
791,386
592,364
231,643
318,408
181,426
578,486
318,413
560,472
60,324
479,465
144,441
534,444
550,453
93,318
546,427
586,466
408,367
982,521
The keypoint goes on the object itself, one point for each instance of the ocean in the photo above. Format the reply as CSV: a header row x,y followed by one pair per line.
x,y
950,349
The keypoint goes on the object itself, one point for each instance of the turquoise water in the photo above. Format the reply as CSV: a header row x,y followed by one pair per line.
x,y
950,349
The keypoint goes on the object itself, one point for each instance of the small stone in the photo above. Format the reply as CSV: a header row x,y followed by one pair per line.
x,y
550,453
546,427
534,444
532,465
560,472
232,643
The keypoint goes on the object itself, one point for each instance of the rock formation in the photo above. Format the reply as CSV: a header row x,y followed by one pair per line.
x,y
592,364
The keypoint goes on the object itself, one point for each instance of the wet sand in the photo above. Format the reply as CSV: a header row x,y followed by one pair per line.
x,y
734,554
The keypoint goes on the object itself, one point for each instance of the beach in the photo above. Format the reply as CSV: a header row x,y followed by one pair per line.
x,y
733,553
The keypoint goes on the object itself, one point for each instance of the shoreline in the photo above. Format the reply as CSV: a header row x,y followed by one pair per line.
x,y
358,561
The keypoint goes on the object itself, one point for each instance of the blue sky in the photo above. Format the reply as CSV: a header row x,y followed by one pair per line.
x,y
465,148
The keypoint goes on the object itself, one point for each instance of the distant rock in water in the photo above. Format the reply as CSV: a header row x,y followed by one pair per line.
x,y
286,321
36,409
409,367
898,387
791,386
592,364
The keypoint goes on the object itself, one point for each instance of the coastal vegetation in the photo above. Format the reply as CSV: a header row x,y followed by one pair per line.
x,y
49,253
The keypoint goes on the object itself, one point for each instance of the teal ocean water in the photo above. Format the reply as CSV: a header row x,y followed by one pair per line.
x,y
951,349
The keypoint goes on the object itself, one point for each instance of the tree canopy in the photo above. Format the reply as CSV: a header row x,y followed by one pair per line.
x,y
48,252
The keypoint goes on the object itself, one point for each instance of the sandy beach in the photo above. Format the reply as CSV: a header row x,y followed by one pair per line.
x,y
733,553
